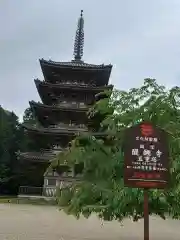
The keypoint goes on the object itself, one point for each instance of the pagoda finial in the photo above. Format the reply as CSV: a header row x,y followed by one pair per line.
x,y
79,39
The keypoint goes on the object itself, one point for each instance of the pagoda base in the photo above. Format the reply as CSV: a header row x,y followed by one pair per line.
x,y
32,192
45,191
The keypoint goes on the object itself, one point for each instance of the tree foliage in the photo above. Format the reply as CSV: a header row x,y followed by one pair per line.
x,y
11,136
13,171
101,188
29,143
28,116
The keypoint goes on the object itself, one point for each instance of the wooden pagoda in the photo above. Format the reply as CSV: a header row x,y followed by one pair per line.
x,y
67,92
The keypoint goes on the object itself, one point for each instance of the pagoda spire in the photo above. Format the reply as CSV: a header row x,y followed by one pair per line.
x,y
79,39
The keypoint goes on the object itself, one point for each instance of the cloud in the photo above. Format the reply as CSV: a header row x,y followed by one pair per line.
x,y
140,38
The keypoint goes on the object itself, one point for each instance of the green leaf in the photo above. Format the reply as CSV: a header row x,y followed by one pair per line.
x,y
101,189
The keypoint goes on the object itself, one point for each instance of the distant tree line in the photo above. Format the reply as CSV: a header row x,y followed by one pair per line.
x,y
12,140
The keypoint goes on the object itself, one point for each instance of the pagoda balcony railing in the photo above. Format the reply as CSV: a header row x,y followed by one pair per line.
x,y
69,126
74,83
46,151
63,126
50,152
78,84
71,104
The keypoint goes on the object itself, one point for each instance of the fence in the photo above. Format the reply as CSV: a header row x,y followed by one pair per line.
x,y
37,191
27,190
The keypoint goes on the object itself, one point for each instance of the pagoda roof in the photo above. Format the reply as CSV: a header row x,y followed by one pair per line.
x,y
59,131
47,115
75,64
45,156
75,69
53,130
71,87
38,105
48,91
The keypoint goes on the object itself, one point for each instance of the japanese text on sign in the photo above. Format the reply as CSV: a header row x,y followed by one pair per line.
x,y
147,159
146,156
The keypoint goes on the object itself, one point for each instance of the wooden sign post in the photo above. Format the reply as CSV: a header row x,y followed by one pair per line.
x,y
146,161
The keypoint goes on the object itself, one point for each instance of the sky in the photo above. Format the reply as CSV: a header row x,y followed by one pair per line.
x,y
140,38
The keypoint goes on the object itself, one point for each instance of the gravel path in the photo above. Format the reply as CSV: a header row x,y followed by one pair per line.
x,y
26,222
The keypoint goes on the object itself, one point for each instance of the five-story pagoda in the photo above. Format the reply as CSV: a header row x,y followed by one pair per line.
x,y
68,90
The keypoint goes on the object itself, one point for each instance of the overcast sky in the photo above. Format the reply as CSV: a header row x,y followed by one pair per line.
x,y
140,38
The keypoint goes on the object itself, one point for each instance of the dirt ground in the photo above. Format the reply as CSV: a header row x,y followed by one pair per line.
x,y
27,222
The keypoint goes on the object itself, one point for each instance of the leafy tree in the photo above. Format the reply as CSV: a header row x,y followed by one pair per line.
x,y
101,187
28,116
10,143
13,139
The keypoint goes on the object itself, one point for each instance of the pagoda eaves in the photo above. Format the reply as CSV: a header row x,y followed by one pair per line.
x,y
66,108
48,115
54,71
73,86
51,93
60,130
56,129
75,64
37,156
